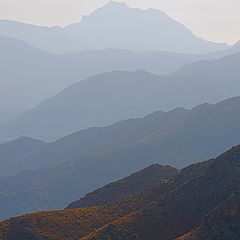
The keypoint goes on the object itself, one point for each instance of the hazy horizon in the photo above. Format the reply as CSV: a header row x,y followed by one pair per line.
x,y
218,24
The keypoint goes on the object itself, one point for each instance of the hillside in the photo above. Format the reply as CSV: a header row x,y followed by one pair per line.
x,y
36,199
132,184
167,210
89,159
67,224
12,152
107,98
193,194
221,223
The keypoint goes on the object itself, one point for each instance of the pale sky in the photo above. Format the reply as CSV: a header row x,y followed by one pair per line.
x,y
216,20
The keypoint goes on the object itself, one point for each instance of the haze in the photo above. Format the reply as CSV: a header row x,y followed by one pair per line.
x,y
215,20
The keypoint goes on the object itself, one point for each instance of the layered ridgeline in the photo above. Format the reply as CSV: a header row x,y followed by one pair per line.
x,y
114,26
201,202
64,170
110,97
40,75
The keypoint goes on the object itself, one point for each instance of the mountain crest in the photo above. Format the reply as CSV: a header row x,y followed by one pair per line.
x,y
143,30
115,4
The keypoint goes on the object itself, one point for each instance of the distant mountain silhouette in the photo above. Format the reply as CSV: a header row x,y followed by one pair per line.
x,y
50,39
24,69
118,26
91,158
40,75
201,202
110,97
114,26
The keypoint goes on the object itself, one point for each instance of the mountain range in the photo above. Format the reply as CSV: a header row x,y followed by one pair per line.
x,y
59,172
41,75
113,26
110,97
104,122
153,30
200,202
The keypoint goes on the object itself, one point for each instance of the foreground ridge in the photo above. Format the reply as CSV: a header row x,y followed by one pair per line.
x,y
202,200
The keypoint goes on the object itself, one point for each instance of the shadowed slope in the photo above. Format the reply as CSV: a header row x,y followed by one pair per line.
x,y
67,224
221,223
63,224
133,184
164,211
195,192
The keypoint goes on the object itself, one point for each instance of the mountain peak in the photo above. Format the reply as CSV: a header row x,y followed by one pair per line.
x,y
115,4
116,19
